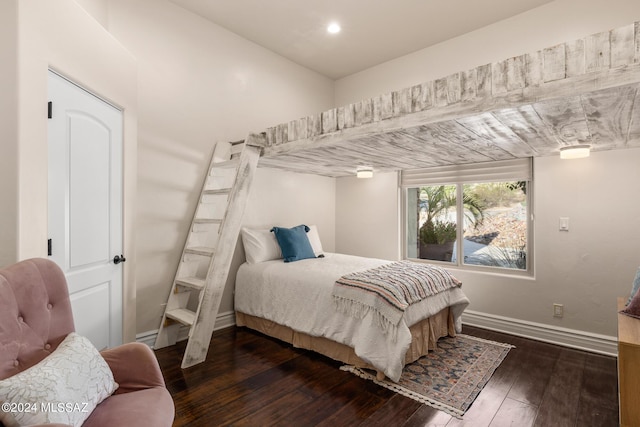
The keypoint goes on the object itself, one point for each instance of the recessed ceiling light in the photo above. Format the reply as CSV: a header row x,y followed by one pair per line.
x,y
333,28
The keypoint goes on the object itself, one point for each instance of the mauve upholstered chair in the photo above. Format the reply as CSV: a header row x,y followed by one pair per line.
x,y
35,316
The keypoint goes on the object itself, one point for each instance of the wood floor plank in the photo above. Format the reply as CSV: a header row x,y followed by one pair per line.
x,y
397,408
535,373
275,413
559,404
515,413
366,400
426,416
250,379
599,392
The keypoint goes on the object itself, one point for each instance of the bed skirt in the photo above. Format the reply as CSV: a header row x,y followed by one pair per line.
x,y
424,336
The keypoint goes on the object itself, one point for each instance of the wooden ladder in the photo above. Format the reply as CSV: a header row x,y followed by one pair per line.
x,y
206,258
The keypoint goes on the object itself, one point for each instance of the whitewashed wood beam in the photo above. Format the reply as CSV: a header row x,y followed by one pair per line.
x,y
575,58
488,128
525,105
604,79
525,122
422,96
516,73
608,116
637,41
383,107
450,143
329,121
553,63
633,134
533,68
402,103
468,85
597,52
565,117
622,45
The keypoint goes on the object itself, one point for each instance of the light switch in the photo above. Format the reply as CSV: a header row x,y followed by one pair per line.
x,y
564,223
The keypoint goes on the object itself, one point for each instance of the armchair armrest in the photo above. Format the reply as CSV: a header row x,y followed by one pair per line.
x,y
134,367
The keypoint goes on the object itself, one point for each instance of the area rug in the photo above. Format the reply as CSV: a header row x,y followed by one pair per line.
x,y
450,377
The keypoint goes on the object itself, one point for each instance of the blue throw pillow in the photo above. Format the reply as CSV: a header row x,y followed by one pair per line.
x,y
294,243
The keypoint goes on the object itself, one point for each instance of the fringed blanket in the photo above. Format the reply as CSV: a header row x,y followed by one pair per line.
x,y
388,290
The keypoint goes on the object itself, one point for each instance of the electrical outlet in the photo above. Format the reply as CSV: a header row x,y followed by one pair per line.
x,y
558,310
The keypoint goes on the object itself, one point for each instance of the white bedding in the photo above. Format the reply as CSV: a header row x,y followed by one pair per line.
x,y
298,295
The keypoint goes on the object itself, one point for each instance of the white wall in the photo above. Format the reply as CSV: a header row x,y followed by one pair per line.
x,y
98,9
366,210
198,84
282,199
61,35
556,22
585,269
9,132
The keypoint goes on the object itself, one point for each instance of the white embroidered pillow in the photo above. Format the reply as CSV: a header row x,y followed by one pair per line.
x,y
64,387
314,239
260,245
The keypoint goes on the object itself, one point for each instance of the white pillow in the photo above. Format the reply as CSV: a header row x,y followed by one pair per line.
x,y
314,239
64,387
260,245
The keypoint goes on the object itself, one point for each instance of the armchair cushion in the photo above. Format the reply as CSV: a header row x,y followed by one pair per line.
x,y
63,388
35,318
134,367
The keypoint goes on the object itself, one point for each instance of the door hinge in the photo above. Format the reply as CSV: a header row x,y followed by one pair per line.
x,y
49,247
50,109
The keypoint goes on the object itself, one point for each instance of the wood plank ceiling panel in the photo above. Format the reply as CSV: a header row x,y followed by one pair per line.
x,y
608,115
582,92
633,135
565,117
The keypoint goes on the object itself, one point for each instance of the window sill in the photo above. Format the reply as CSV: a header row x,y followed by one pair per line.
x,y
490,271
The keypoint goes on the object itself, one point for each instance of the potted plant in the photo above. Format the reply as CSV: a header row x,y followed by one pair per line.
x,y
437,239
437,234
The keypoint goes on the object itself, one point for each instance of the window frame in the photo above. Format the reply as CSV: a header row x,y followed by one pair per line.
x,y
459,182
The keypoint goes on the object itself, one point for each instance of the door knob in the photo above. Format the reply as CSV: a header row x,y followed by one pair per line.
x,y
118,259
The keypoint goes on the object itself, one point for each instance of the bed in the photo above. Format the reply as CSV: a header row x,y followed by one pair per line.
x,y
292,301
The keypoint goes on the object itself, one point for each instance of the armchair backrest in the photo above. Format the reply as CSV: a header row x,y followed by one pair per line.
x,y
35,313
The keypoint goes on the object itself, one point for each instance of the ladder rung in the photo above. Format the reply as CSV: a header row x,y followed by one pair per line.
x,y
191,282
217,191
200,250
182,315
226,164
207,221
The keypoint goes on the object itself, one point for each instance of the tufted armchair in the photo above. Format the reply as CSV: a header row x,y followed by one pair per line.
x,y
35,317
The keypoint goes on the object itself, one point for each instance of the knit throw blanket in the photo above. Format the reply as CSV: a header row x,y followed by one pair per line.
x,y
388,290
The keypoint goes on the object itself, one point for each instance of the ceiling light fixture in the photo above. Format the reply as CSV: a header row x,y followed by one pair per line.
x,y
575,152
333,28
364,172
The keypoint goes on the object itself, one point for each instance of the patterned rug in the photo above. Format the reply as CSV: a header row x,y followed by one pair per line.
x,y
450,377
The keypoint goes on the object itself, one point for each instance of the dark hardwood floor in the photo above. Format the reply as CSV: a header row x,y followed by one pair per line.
x,y
253,380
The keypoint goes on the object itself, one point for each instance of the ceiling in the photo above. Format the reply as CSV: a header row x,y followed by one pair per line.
x,y
373,31
585,91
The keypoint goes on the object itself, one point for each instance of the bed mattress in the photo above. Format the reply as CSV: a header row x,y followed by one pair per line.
x,y
298,295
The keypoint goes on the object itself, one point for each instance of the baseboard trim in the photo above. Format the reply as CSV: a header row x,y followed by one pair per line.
x,y
224,320
595,343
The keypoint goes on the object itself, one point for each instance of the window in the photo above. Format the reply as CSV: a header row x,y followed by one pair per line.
x,y
474,216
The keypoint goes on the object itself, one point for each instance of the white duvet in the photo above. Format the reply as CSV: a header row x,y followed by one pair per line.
x,y
298,295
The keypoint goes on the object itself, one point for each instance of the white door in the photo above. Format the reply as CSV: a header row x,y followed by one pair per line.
x,y
85,206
